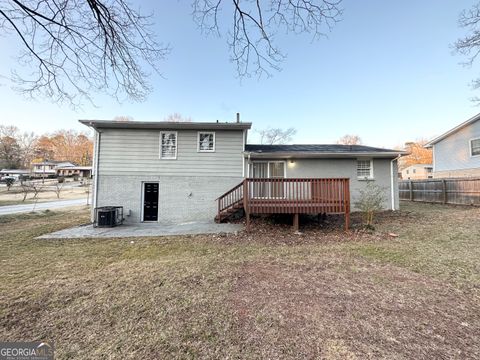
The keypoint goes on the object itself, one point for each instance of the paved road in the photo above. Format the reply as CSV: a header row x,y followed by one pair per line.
x,y
15,209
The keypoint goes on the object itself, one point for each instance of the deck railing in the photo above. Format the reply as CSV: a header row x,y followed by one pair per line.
x,y
289,196
231,198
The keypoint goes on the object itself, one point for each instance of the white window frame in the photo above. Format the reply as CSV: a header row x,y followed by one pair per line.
x,y
250,167
371,176
160,147
471,149
198,141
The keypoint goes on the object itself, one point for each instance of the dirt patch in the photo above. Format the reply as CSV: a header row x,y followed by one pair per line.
x,y
334,309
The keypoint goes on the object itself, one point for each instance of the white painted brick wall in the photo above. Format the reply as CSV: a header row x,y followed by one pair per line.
x,y
181,199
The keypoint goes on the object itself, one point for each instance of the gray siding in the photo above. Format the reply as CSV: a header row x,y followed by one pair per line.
x,y
136,152
347,168
453,152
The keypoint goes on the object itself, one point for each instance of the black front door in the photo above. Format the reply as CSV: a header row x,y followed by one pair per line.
x,y
150,202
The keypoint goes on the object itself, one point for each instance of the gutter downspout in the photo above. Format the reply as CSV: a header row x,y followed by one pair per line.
x,y
392,183
95,168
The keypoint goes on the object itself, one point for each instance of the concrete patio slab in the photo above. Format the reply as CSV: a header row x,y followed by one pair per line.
x,y
144,230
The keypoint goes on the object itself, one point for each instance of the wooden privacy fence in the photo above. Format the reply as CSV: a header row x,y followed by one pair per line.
x,y
460,191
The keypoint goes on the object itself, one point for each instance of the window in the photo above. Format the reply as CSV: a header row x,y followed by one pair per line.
x,y
414,171
408,171
168,145
206,141
429,169
365,169
475,147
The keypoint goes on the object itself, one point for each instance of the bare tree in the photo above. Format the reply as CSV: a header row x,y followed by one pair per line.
x,y
177,117
31,187
254,25
350,140
469,45
271,136
123,118
75,47
57,188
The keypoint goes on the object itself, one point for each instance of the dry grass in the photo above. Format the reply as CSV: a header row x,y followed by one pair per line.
x,y
272,294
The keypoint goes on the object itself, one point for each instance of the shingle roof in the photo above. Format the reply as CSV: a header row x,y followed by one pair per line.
x,y
319,149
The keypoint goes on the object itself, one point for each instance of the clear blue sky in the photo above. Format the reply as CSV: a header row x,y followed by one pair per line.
x,y
386,72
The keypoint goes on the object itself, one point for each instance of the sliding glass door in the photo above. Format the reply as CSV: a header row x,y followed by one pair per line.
x,y
268,170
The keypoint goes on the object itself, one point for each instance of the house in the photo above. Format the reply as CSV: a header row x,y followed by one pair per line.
x,y
71,171
48,168
456,153
417,171
190,171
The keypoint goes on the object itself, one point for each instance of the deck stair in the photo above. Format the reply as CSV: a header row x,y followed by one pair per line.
x,y
286,196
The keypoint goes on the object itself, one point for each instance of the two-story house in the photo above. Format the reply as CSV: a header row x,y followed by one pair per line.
x,y
177,171
456,153
48,168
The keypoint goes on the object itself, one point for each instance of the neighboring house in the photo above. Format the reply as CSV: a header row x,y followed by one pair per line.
x,y
417,171
174,172
456,153
69,171
48,168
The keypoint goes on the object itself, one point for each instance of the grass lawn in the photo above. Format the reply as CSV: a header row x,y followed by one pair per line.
x,y
268,294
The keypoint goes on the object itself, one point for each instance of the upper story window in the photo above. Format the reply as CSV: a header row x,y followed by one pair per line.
x,y
206,141
168,145
414,171
475,147
364,169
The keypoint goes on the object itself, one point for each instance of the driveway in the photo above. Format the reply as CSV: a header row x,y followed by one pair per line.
x,y
50,205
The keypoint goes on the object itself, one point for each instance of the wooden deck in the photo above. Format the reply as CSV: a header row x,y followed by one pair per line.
x,y
287,196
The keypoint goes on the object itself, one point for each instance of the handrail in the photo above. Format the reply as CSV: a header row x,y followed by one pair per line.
x,y
229,191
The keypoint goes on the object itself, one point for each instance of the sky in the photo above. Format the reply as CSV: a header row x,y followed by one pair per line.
x,y
386,72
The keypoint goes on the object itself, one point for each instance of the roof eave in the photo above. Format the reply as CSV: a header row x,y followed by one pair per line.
x,y
165,125
313,155
452,131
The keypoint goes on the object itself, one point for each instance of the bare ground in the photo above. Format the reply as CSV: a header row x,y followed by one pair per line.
x,y
269,294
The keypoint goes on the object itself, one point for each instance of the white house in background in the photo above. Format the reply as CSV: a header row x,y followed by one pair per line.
x,y
48,168
417,171
456,153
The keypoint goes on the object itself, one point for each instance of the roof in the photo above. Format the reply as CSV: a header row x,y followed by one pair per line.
x,y
52,162
166,125
74,167
14,171
320,150
452,131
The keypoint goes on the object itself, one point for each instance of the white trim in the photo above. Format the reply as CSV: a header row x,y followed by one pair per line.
x,y
365,178
198,141
160,145
96,163
392,182
268,166
453,130
143,199
470,143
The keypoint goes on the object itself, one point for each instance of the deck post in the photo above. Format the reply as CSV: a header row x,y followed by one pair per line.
x,y
246,205
296,222
347,203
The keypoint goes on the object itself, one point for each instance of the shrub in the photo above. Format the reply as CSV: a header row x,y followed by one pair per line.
x,y
370,201
9,182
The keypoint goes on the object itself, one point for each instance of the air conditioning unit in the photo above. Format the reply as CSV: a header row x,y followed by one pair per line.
x,y
108,216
